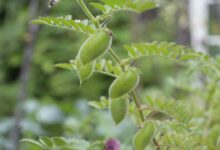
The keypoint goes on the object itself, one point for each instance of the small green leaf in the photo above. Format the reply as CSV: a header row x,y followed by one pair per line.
x,y
131,51
84,71
79,144
95,104
98,6
145,5
144,136
67,23
100,65
188,56
59,141
117,70
109,7
38,22
102,103
32,142
66,66
46,141
98,145
119,108
109,66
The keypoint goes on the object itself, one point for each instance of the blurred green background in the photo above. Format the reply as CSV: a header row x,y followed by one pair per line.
x,y
55,104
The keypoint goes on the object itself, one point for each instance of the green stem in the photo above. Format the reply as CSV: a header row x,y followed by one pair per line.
x,y
141,114
105,73
87,12
138,105
115,56
157,145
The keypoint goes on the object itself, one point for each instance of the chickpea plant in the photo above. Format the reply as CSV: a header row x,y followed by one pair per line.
x,y
122,99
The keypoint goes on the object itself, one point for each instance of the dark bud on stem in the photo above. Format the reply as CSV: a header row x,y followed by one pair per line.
x,y
112,144
52,3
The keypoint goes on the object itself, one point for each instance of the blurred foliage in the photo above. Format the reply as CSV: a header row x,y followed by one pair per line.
x,y
57,93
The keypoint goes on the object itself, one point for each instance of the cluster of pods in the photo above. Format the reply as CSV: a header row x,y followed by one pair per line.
x,y
93,48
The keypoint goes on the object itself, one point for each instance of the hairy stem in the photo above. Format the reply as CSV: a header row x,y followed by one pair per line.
x,y
157,145
115,56
85,9
87,12
138,105
105,73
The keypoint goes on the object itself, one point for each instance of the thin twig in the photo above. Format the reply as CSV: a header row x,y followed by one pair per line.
x,y
138,105
105,73
87,12
115,56
157,145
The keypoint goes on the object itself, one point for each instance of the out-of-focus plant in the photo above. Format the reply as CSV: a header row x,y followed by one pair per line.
x,y
162,123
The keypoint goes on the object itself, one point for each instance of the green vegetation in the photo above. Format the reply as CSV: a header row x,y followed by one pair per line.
x,y
171,108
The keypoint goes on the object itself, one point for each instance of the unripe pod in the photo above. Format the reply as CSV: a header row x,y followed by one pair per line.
x,y
119,108
144,136
84,71
124,84
96,45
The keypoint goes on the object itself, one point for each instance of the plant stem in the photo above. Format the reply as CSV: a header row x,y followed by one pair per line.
x,y
87,12
115,56
138,105
157,145
105,73
85,9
